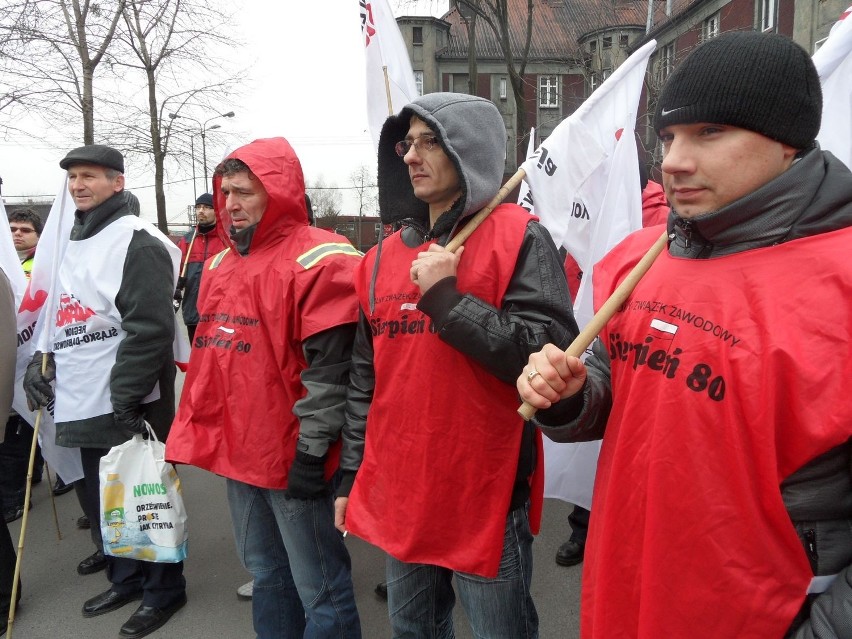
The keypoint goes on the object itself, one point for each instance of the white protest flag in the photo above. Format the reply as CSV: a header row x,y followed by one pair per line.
x,y
34,313
834,65
525,199
585,184
390,80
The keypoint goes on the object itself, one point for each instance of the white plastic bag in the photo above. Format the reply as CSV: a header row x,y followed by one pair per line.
x,y
142,511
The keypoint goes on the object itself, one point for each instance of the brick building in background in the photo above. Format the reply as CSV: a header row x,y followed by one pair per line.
x,y
576,44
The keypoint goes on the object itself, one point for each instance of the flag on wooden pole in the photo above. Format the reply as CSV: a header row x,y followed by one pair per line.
x,y
584,182
31,311
390,80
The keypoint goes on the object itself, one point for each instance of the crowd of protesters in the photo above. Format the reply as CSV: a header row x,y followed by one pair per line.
x,y
391,381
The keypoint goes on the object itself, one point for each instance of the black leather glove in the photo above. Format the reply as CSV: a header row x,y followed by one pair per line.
x,y
131,422
307,477
37,386
177,299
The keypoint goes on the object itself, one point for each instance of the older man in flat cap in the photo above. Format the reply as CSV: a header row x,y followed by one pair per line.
x,y
115,282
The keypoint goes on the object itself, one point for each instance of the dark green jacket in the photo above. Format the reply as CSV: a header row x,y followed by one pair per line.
x,y
145,355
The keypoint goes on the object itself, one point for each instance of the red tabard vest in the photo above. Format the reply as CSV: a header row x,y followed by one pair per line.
x,y
728,375
443,435
235,416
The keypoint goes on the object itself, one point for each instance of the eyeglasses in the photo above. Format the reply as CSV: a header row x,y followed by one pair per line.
x,y
422,143
22,229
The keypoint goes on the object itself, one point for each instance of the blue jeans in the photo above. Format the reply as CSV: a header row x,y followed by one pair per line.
x,y
301,568
421,598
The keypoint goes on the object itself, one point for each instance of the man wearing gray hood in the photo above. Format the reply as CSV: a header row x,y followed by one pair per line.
x,y
439,470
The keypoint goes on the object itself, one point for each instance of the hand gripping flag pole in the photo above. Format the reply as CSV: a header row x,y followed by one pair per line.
x,y
609,308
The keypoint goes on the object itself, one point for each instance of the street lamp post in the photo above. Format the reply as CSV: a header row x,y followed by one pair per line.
x,y
174,116
203,130
204,151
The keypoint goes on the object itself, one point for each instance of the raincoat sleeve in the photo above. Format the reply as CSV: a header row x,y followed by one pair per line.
x,y
320,411
535,310
359,395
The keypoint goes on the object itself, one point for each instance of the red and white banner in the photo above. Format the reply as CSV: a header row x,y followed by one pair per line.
x,y
390,80
834,65
584,182
34,300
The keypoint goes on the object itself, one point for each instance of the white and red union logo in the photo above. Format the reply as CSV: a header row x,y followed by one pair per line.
x,y
71,311
368,25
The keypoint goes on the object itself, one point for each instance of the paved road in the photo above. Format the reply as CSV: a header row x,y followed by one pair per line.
x,y
53,592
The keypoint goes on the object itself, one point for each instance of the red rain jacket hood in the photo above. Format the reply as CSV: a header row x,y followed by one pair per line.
x,y
274,163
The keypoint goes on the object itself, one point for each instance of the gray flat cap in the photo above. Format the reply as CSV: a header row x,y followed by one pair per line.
x,y
94,154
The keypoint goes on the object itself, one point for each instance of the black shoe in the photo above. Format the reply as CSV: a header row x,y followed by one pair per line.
x,y
107,602
147,619
83,523
60,487
14,513
570,553
93,563
382,591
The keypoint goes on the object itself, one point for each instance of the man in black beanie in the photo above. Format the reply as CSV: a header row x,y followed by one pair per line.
x,y
723,501
196,246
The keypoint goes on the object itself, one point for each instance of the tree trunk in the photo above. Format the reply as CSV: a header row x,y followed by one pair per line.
x,y
159,153
472,72
88,106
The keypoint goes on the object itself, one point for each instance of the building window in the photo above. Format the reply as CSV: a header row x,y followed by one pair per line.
x,y
503,88
623,40
607,42
666,62
417,36
548,93
418,82
767,15
593,46
710,27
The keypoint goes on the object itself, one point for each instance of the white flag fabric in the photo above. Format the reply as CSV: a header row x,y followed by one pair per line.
x,y
834,65
524,194
385,51
585,185
62,460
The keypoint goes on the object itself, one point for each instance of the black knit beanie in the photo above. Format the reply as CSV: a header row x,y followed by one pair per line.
x,y
761,82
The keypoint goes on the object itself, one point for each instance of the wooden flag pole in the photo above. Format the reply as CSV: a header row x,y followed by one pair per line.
x,y
476,220
387,90
27,493
609,308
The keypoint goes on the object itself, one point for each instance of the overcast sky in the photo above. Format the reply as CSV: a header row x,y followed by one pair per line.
x,y
308,86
